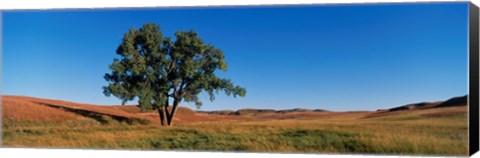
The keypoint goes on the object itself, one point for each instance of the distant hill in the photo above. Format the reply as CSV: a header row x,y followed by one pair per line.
x,y
456,101
460,101
261,111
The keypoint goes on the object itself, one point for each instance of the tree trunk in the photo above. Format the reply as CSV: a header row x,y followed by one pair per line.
x,y
161,114
167,112
172,114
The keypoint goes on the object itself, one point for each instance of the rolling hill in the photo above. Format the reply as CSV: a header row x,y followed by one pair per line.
x,y
30,109
460,102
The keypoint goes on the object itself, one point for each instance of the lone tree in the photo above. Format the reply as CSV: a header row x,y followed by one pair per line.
x,y
155,69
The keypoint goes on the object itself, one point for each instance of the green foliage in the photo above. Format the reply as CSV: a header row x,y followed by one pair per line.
x,y
237,137
154,68
318,139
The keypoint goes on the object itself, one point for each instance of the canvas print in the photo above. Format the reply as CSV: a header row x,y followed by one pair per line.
x,y
348,79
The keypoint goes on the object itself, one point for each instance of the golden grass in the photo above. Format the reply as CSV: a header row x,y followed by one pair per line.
x,y
440,131
21,110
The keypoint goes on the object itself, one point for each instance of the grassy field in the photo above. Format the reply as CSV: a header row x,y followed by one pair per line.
x,y
440,131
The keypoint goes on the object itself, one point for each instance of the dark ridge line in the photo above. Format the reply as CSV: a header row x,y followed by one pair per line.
x,y
248,111
455,101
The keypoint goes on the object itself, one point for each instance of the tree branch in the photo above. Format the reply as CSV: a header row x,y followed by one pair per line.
x,y
180,88
185,88
172,64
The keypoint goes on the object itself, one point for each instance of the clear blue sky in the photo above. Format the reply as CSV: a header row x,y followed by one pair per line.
x,y
335,57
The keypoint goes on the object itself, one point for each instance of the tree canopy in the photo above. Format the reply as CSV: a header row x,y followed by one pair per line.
x,y
154,68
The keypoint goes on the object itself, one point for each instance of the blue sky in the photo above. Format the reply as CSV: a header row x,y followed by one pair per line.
x,y
335,57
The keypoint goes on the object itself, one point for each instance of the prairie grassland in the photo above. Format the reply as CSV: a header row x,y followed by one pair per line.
x,y
441,131
25,111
